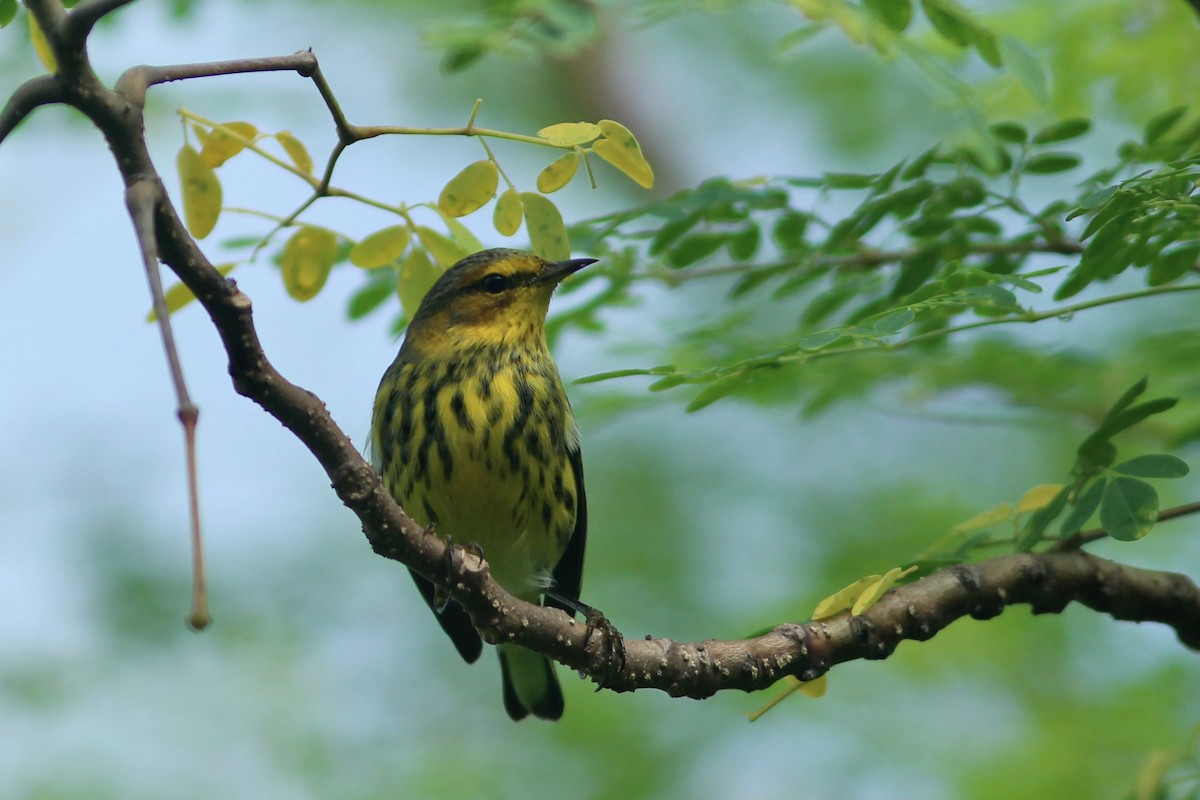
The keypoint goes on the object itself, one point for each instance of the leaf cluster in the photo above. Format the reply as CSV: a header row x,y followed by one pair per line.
x,y
938,244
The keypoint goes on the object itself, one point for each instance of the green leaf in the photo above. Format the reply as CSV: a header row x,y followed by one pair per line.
x,y
1010,132
849,180
544,223
789,231
694,248
1048,163
1173,264
1035,526
201,192
1063,131
714,392
308,256
894,322
470,189
948,20
1159,465
8,11
1127,397
417,274
895,14
743,244
1129,417
368,298
670,232
916,270
380,248
1129,509
1085,505
1026,68
616,373
1161,123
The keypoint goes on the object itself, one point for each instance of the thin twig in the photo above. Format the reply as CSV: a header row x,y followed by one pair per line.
x,y
142,199
1078,540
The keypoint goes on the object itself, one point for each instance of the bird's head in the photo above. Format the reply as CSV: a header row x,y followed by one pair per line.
x,y
493,297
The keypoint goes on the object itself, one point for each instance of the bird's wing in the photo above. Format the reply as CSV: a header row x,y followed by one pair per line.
x,y
568,573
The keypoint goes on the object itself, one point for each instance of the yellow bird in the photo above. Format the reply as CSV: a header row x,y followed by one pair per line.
x,y
473,434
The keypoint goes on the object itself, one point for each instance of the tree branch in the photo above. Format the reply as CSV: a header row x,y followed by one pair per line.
x,y
1047,582
39,91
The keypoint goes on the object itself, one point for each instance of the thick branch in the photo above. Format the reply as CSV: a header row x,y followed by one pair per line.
x,y
1046,582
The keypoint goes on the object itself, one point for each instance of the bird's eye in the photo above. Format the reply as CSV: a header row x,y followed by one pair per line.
x,y
494,283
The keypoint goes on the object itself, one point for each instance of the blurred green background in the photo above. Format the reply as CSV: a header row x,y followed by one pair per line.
x,y
323,675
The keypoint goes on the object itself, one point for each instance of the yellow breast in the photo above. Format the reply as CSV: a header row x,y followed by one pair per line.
x,y
479,447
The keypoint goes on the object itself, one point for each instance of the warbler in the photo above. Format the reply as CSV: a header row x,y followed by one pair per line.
x,y
473,435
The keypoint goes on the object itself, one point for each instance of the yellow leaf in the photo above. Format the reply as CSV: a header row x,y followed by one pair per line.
x,y
570,134
558,174
381,247
843,598
816,687
470,189
1150,775
547,234
41,45
306,260
201,192
296,151
508,213
417,274
201,133
461,235
226,141
444,251
813,688
180,295
873,592
620,148
1038,497
1001,512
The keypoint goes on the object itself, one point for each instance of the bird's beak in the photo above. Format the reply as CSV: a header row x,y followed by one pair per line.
x,y
556,271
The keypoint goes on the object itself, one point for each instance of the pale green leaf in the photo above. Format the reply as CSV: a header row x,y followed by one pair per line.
x,y
308,256
381,248
201,192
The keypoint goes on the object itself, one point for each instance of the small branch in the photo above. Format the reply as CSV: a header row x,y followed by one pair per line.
x,y
136,80
1027,317
83,17
865,259
1077,540
40,91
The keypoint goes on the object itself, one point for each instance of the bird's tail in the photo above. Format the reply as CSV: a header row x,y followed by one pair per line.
x,y
530,684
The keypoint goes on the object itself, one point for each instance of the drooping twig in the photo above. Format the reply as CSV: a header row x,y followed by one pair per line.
x,y
141,199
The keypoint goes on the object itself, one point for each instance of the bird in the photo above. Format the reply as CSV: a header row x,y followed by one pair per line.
x,y
473,435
